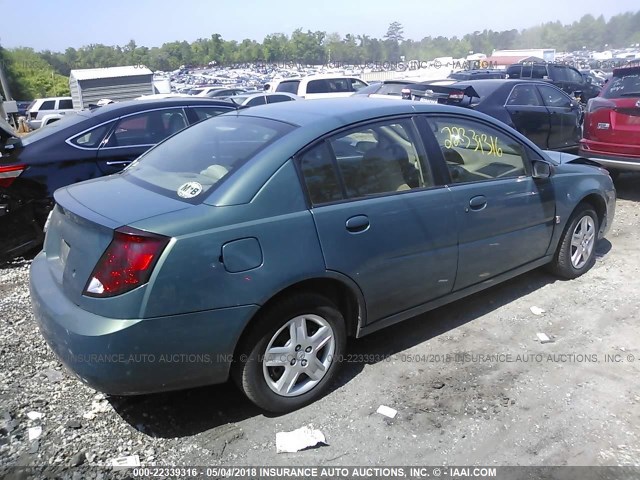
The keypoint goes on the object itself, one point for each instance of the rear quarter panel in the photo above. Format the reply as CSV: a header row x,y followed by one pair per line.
x,y
194,275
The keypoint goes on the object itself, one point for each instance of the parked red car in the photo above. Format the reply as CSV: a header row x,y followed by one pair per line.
x,y
612,122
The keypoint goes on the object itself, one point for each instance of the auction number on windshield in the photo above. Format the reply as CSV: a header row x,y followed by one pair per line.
x,y
479,142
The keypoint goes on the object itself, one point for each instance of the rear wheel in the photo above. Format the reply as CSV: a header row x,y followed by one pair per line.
x,y
576,252
290,357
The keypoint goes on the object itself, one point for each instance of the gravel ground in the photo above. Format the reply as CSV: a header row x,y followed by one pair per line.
x,y
471,382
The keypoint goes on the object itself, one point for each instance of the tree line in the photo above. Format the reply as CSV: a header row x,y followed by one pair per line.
x,y
35,74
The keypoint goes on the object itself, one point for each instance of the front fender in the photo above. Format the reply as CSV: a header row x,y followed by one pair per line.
x,y
575,183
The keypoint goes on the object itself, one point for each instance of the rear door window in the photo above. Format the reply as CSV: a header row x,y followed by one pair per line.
x,y
147,128
319,86
372,159
539,71
48,105
66,105
524,95
514,71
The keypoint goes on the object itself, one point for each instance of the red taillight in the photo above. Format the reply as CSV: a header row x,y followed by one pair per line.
x,y
9,173
126,264
456,96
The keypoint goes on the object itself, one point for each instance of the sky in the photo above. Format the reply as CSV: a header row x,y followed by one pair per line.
x,y
58,24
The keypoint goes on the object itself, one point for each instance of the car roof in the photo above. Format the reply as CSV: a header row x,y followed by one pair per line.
x,y
136,105
488,86
332,113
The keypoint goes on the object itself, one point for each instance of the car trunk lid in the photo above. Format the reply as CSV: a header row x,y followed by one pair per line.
x,y
83,222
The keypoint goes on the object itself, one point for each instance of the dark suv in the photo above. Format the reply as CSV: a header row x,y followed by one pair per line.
x,y
562,76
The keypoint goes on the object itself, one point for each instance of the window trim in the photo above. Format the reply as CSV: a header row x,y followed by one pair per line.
x,y
438,155
422,150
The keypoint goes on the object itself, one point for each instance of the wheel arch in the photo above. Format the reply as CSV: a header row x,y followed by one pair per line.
x,y
341,290
598,203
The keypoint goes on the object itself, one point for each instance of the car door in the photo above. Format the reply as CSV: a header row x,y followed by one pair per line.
x,y
380,217
505,218
528,114
564,118
136,133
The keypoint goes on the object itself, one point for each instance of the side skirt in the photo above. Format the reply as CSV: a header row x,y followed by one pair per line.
x,y
413,312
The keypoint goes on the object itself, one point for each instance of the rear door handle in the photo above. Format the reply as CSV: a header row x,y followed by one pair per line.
x,y
478,202
357,224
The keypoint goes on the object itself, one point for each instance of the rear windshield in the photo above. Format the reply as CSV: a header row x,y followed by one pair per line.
x,y
190,163
623,85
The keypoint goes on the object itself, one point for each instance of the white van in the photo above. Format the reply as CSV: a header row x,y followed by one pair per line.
x,y
320,86
46,106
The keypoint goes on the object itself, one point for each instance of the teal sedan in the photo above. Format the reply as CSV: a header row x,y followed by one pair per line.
x,y
251,245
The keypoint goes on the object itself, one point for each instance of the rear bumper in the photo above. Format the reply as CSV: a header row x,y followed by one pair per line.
x,y
127,357
618,157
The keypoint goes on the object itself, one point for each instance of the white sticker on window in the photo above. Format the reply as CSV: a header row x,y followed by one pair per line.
x,y
189,190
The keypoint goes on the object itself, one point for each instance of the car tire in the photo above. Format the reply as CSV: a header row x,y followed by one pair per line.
x,y
280,373
576,251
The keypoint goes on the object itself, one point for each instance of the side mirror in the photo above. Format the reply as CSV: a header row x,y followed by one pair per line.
x,y
541,169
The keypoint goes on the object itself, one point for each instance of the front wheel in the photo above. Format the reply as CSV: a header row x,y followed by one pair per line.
x,y
576,252
290,357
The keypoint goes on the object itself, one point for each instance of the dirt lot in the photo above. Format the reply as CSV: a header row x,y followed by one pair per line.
x,y
471,382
